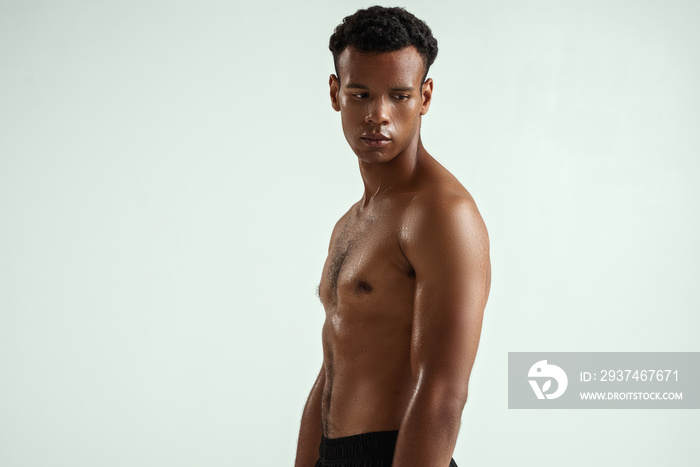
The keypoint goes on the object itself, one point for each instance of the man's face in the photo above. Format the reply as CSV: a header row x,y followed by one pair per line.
x,y
381,101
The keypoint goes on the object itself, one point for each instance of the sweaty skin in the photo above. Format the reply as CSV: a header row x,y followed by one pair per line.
x,y
406,279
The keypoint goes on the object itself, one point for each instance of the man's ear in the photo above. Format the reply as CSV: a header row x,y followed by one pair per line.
x,y
427,95
334,83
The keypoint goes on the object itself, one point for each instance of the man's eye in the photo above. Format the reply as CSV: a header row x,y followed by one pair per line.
x,y
401,97
360,95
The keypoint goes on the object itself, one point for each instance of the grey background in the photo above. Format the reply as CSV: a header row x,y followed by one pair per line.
x,y
170,173
678,372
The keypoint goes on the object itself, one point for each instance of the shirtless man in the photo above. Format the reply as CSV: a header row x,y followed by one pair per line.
x,y
408,272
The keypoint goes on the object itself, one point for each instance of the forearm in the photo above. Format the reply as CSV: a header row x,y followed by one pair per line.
x,y
429,431
310,431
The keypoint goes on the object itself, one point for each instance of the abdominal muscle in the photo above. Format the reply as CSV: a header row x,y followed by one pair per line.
x,y
368,373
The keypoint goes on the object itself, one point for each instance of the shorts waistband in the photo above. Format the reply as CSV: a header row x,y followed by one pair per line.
x,y
374,445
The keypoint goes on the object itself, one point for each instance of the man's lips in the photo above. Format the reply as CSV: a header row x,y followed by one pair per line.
x,y
375,136
375,140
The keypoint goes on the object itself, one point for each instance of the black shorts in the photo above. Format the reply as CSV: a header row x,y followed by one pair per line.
x,y
365,450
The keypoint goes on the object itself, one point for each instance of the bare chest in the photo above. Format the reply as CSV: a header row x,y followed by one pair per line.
x,y
365,267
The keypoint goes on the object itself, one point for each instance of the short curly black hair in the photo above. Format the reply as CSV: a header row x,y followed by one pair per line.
x,y
381,29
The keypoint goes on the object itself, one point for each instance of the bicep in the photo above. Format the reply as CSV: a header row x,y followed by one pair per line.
x,y
450,255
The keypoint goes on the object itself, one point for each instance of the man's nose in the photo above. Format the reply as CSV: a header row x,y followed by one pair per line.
x,y
378,112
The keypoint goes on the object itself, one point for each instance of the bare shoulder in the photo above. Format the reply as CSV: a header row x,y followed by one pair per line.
x,y
444,214
341,224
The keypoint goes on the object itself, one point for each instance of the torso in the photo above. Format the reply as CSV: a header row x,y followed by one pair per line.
x,y
367,289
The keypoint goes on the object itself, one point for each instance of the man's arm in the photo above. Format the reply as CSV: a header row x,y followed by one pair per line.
x,y
310,431
447,245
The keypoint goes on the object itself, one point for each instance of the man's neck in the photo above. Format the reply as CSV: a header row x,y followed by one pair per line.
x,y
393,176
